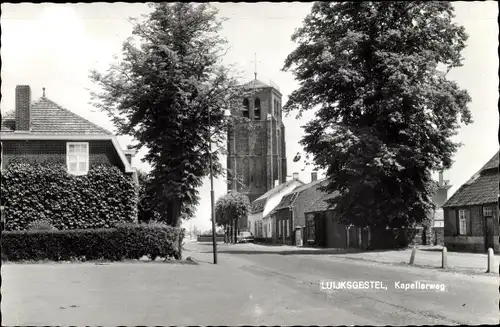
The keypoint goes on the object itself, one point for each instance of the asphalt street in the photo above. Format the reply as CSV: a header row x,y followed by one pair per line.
x,y
466,299
250,285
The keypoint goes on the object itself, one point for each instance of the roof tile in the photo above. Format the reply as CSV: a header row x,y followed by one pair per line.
x,y
482,190
259,204
47,117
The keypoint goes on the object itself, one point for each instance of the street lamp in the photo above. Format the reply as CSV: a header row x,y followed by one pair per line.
x,y
212,195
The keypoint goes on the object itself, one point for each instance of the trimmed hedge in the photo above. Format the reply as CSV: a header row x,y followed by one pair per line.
x,y
45,191
127,241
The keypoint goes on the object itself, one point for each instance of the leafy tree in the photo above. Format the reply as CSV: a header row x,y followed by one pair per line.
x,y
163,92
146,208
385,110
230,208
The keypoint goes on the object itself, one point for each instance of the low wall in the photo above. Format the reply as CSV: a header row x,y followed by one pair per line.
x,y
208,238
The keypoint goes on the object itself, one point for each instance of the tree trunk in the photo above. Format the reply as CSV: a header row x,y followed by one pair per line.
x,y
174,219
236,230
174,213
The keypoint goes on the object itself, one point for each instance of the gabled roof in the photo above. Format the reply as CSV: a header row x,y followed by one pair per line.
x,y
289,199
482,188
259,204
50,121
47,117
321,204
492,163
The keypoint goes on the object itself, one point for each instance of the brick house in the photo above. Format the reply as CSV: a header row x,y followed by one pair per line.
x,y
289,214
471,214
259,220
322,229
43,130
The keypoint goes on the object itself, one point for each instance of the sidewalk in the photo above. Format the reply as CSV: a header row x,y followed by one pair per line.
x,y
429,257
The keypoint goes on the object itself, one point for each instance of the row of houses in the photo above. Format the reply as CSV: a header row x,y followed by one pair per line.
x,y
296,213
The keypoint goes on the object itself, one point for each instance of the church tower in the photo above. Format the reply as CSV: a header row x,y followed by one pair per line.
x,y
257,155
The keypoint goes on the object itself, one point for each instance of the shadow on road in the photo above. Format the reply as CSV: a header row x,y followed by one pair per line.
x,y
295,252
433,250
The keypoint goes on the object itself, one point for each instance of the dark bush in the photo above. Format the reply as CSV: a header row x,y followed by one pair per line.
x,y
45,191
126,241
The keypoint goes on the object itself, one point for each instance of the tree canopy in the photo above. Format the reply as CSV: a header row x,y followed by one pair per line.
x,y
376,72
231,207
163,91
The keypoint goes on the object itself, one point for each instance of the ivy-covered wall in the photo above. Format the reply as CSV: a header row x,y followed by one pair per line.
x,y
45,191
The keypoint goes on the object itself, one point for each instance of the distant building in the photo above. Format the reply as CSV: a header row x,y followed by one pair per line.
x,y
289,215
259,221
257,156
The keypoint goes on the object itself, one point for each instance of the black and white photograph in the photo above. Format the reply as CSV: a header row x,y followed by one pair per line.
x,y
259,163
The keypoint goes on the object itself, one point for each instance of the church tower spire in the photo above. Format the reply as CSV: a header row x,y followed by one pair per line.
x,y
255,65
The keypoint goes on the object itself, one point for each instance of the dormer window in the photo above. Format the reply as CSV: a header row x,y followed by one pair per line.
x,y
246,108
256,111
77,158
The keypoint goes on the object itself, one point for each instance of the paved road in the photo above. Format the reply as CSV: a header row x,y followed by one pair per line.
x,y
247,287
466,300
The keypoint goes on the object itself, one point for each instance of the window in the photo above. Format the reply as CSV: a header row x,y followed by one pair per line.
x,y
256,111
246,108
462,222
77,158
487,212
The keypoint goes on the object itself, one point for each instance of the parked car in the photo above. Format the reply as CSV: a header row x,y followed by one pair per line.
x,y
245,237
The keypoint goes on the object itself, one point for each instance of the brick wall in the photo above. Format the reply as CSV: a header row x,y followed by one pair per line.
x,y
38,150
23,108
249,151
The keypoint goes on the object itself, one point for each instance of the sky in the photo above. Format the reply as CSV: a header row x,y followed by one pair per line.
x,y
55,46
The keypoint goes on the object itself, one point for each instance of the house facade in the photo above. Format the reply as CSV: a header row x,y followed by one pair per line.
x,y
289,215
471,214
259,220
44,131
321,229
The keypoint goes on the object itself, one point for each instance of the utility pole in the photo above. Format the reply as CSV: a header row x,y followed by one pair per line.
x,y
212,196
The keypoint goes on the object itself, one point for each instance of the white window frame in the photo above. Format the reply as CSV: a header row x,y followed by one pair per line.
x,y
87,154
462,222
487,211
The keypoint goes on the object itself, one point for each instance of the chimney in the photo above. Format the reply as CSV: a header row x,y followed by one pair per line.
x,y
441,178
296,176
23,108
314,176
129,154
